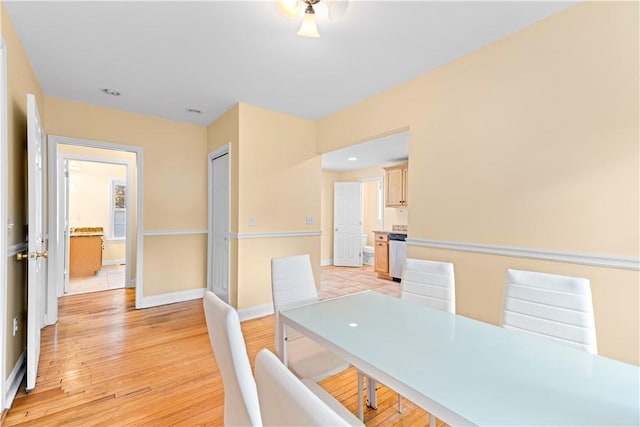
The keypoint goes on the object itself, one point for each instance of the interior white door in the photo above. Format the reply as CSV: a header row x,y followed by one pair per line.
x,y
219,274
36,286
347,224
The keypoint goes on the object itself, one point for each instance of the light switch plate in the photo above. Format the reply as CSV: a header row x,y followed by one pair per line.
x,y
309,219
252,221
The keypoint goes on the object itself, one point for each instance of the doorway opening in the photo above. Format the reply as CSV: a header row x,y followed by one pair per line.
x,y
71,157
95,223
362,163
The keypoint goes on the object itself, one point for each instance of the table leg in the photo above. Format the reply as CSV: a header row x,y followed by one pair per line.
x,y
372,393
283,342
360,405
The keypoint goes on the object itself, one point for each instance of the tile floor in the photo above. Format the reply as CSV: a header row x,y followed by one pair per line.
x,y
109,277
334,281
337,281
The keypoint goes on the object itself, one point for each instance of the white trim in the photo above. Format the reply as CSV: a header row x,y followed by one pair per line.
x,y
114,261
14,380
326,262
171,298
625,263
174,232
275,234
17,248
4,227
56,249
255,312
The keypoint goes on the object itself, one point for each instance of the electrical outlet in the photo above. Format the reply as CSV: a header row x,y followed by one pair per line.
x,y
309,219
252,221
15,326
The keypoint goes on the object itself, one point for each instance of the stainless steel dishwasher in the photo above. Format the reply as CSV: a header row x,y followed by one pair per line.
x,y
397,254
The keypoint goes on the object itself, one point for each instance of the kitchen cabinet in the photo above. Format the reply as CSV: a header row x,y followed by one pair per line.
x,y
85,255
395,180
381,265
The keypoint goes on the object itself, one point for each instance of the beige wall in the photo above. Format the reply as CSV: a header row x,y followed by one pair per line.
x,y
326,245
529,142
174,178
370,222
90,203
254,274
183,261
279,173
20,81
279,182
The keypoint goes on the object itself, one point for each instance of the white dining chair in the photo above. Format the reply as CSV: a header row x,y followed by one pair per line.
x,y
286,400
241,405
430,283
551,306
293,285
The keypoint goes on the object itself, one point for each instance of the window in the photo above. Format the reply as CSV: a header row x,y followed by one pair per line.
x,y
118,211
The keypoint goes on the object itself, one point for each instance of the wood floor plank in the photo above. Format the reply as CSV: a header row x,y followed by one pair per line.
x,y
107,364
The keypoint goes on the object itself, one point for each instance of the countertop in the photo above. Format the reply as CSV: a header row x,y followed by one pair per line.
x,y
390,232
86,231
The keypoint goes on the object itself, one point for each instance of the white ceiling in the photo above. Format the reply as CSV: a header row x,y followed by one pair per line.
x,y
378,152
165,57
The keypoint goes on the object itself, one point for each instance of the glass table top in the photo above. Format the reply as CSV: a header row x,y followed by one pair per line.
x,y
486,374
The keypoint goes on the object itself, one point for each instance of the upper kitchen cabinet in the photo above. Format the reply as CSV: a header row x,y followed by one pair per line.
x,y
395,181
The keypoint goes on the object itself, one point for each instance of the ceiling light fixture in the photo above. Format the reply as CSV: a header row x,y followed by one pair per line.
x,y
308,27
111,92
291,9
352,159
193,110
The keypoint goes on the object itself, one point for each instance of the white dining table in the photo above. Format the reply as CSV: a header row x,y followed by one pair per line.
x,y
468,372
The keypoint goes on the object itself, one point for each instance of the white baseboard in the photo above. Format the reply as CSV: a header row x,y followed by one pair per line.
x,y
255,312
172,298
114,261
326,262
14,380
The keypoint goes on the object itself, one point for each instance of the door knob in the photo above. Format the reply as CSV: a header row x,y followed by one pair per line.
x,y
22,256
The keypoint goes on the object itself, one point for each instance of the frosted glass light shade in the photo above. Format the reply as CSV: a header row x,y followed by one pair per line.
x,y
289,8
308,27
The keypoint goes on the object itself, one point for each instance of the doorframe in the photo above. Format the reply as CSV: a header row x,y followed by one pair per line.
x,y
56,273
4,190
62,157
221,151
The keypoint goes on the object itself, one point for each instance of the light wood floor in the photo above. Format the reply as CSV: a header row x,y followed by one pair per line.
x,y
105,363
